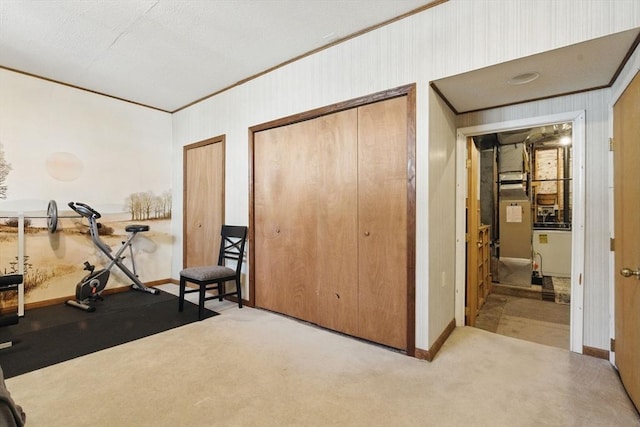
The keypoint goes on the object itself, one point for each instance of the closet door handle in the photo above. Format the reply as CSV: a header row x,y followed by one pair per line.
x,y
366,233
627,272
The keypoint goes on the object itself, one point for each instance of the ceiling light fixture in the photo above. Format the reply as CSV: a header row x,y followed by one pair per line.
x,y
565,140
524,78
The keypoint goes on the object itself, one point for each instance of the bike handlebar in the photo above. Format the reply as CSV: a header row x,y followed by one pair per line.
x,y
84,210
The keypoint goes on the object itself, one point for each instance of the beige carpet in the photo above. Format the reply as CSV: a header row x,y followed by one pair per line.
x,y
253,368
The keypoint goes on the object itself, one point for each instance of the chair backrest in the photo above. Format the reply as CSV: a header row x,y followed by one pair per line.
x,y
232,244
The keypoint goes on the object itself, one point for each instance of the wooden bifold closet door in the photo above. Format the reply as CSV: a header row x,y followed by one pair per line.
x,y
330,206
305,193
382,218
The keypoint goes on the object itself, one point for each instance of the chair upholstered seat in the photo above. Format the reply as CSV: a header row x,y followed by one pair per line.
x,y
208,272
213,277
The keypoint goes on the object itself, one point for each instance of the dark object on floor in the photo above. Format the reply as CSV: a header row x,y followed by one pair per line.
x,y
49,335
214,277
11,414
9,282
536,278
548,294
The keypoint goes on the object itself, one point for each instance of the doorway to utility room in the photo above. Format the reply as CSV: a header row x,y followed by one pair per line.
x,y
523,216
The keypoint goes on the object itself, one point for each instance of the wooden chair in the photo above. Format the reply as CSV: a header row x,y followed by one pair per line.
x,y
214,277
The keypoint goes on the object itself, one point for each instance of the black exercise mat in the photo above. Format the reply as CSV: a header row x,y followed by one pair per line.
x,y
50,335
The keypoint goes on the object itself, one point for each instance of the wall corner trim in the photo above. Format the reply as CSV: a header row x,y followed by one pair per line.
x,y
430,354
595,352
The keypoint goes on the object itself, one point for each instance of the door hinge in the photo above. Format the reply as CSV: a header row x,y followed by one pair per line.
x,y
466,237
612,244
468,163
610,144
612,345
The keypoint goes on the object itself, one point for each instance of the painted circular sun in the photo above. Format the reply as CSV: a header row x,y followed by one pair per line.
x,y
64,166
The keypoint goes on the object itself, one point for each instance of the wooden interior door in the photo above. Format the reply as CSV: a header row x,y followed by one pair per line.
x,y
382,214
473,224
304,184
626,137
203,201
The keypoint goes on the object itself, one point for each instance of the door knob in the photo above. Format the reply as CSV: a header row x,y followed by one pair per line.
x,y
627,272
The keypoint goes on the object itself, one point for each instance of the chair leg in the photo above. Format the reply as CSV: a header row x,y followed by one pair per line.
x,y
201,302
181,297
239,289
221,290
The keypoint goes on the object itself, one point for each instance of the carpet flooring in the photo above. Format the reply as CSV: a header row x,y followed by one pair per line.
x,y
254,368
53,334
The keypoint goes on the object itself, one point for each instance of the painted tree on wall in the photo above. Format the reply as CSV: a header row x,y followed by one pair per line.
x,y
162,205
146,205
5,168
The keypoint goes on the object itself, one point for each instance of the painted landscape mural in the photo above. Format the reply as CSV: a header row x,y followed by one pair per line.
x,y
62,144
53,263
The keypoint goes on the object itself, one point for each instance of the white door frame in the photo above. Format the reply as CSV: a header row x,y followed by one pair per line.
x,y
578,212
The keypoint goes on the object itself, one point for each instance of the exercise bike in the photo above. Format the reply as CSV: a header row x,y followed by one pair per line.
x,y
89,289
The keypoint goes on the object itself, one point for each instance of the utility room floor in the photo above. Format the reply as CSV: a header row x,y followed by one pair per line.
x,y
534,320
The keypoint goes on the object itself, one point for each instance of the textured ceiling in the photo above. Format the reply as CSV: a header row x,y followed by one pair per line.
x,y
170,53
167,54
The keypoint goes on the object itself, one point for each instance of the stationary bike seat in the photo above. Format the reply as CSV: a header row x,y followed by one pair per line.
x,y
135,228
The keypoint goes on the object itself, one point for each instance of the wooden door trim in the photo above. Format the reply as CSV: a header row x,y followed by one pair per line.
x,y
473,221
410,92
340,106
411,219
220,139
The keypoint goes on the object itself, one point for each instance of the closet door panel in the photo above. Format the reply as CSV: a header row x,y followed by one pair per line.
x,y
284,222
382,186
336,183
305,218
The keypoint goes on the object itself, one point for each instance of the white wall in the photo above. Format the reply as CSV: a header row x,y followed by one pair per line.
x,y
441,219
121,145
454,37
